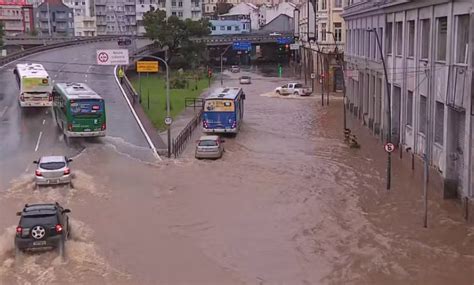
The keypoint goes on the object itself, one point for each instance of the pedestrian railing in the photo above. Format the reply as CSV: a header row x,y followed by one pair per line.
x,y
194,103
179,143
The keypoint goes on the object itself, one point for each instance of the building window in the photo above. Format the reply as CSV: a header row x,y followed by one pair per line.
x,y
338,32
237,28
180,4
389,38
425,38
180,14
379,38
439,123
323,32
399,27
338,3
173,13
442,37
411,38
462,38
422,113
323,5
410,108
229,28
222,28
173,3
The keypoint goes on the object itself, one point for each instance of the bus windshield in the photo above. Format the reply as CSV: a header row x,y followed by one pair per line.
x,y
219,105
86,108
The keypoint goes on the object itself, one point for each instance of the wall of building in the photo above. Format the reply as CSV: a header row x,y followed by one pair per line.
x,y
229,27
17,19
59,20
424,46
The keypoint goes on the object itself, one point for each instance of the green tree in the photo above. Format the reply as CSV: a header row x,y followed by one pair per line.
x,y
176,35
2,33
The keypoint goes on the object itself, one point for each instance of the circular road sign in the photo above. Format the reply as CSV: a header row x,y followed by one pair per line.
x,y
168,121
103,57
389,147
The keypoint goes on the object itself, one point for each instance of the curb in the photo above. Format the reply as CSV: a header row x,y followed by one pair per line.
x,y
150,143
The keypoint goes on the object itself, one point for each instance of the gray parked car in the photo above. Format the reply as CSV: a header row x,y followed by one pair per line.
x,y
209,147
53,170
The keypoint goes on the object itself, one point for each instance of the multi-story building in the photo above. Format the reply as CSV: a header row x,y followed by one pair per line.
x,y
184,9
210,6
17,17
116,17
246,10
321,35
144,6
230,25
427,48
54,18
268,13
84,17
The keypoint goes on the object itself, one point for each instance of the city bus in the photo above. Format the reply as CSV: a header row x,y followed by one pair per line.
x,y
35,85
78,110
223,110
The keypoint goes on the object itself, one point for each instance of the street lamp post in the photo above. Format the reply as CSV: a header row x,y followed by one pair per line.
x,y
168,115
389,111
222,64
341,66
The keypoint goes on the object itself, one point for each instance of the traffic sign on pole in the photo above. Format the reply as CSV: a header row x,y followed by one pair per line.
x,y
147,66
389,147
112,57
242,46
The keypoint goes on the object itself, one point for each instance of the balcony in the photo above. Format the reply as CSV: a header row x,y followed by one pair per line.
x,y
130,3
100,2
196,9
130,13
10,17
101,23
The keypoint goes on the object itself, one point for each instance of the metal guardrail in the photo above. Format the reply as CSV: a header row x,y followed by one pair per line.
x,y
179,143
20,54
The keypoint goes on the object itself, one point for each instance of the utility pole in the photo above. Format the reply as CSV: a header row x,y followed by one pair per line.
x,y
427,153
49,17
389,110
222,64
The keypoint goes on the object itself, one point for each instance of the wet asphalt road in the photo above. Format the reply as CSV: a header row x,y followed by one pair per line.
x,y
289,203
20,129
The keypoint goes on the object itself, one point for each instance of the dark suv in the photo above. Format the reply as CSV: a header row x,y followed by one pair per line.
x,y
42,226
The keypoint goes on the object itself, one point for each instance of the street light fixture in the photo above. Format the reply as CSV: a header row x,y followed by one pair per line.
x,y
168,114
389,111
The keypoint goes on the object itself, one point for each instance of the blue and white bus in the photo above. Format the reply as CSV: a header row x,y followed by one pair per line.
x,y
223,110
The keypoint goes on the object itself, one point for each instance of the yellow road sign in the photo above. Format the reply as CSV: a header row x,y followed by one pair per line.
x,y
147,66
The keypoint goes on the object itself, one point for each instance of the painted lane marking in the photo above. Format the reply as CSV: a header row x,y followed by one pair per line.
x,y
3,111
38,142
44,121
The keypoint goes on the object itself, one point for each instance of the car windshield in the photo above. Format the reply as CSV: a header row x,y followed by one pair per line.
x,y
52,165
31,221
207,143
245,77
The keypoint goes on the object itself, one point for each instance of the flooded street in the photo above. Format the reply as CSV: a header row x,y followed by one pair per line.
x,y
289,203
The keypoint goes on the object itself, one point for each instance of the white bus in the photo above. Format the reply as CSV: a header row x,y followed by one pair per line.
x,y
35,85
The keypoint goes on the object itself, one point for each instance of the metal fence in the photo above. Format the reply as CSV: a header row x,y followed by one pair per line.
x,y
179,143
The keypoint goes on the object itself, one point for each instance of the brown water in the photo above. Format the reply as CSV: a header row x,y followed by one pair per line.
x,y
289,203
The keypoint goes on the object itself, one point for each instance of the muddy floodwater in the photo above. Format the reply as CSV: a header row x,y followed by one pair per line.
x,y
289,203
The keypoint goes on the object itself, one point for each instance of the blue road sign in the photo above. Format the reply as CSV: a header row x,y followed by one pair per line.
x,y
243,46
284,41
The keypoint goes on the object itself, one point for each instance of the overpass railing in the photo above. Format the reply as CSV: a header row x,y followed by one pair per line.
x,y
72,41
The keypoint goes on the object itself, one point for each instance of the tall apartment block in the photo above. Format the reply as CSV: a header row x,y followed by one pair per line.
x,y
116,17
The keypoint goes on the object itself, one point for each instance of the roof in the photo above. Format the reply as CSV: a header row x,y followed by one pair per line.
x,y
39,209
225,93
208,138
77,91
31,70
56,158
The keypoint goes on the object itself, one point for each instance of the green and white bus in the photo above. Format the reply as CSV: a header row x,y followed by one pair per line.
x,y
35,85
79,111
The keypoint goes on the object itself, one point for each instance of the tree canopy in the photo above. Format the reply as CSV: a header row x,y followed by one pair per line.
x,y
176,34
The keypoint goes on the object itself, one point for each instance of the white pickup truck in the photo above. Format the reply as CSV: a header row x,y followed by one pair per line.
x,y
293,88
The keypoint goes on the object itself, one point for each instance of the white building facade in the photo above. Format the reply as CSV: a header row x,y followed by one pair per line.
x,y
427,50
184,9
84,17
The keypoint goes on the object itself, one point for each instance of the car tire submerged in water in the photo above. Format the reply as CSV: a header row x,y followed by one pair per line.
x,y
296,94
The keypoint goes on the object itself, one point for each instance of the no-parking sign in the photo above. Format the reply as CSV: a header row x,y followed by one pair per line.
x,y
112,57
